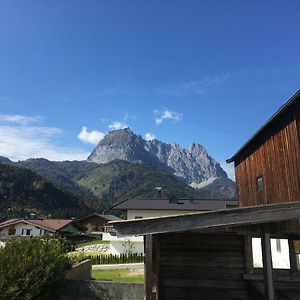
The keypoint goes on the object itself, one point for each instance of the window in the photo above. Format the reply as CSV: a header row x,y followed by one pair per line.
x,y
26,231
259,184
11,231
280,259
42,231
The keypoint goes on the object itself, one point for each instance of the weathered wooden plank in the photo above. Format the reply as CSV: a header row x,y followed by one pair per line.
x,y
274,155
148,241
215,219
293,258
248,255
267,266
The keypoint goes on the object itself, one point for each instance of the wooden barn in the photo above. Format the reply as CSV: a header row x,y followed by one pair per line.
x,y
208,255
267,166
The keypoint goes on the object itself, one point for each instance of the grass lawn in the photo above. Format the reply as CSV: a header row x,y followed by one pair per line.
x,y
121,275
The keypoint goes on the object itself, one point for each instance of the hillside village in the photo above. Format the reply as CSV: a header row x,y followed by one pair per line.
x,y
182,238
149,150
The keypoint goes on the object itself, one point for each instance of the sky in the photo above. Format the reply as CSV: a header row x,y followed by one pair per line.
x,y
209,72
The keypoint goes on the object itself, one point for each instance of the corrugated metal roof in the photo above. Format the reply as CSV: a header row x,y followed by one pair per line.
x,y
281,110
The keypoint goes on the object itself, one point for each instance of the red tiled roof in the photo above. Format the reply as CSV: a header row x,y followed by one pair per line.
x,y
54,224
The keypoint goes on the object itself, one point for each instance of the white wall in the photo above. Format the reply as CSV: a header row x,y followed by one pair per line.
x,y
19,226
124,244
122,247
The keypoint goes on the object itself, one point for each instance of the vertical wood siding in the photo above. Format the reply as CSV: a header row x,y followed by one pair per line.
x,y
274,155
206,266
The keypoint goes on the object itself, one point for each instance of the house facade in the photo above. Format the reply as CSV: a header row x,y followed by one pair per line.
x,y
96,222
37,228
267,166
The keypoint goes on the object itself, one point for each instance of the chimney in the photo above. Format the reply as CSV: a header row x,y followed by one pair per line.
x,y
158,189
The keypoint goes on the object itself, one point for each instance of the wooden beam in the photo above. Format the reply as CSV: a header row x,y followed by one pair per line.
x,y
214,219
148,267
267,265
293,258
248,254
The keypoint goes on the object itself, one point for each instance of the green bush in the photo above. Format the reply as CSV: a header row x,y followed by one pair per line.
x,y
32,269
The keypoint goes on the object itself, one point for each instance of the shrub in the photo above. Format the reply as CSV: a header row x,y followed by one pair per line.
x,y
32,269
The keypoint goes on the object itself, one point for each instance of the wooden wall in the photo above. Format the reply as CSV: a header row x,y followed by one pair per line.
x,y
274,155
207,267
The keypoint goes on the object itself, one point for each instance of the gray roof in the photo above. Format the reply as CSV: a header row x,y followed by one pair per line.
x,y
295,97
271,213
178,204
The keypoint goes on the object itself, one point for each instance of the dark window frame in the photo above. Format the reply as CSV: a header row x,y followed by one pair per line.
x,y
259,184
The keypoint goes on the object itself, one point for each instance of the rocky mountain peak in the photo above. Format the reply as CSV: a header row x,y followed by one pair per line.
x,y
193,164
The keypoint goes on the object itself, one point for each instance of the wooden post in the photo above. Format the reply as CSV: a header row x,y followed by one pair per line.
x,y
248,254
148,244
267,265
293,258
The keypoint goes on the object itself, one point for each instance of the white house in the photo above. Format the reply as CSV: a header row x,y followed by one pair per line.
x,y
139,208
38,227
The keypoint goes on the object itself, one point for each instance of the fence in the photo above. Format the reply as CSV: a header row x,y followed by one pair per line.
x,y
116,259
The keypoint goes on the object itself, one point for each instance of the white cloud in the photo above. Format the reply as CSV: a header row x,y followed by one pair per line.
x,y
93,137
167,115
21,140
149,136
19,119
117,125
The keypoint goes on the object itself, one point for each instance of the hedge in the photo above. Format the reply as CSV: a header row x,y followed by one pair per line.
x,y
116,259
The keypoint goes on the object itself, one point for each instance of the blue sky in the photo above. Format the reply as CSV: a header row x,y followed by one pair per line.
x,y
209,72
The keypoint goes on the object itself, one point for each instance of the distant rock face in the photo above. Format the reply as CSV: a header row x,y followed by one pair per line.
x,y
193,164
5,160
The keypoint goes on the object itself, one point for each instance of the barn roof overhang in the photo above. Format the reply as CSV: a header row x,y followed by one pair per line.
x,y
217,219
292,100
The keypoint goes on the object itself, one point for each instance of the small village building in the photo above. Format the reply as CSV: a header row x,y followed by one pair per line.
x,y
96,222
37,228
138,208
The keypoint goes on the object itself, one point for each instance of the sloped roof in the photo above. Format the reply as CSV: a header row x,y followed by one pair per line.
x,y
210,220
48,224
178,204
295,97
106,217
7,222
54,224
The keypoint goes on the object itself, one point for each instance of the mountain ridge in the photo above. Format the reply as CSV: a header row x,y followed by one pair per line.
x,y
193,164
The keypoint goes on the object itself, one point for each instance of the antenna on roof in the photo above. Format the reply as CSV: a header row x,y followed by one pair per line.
x,y
32,216
158,189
